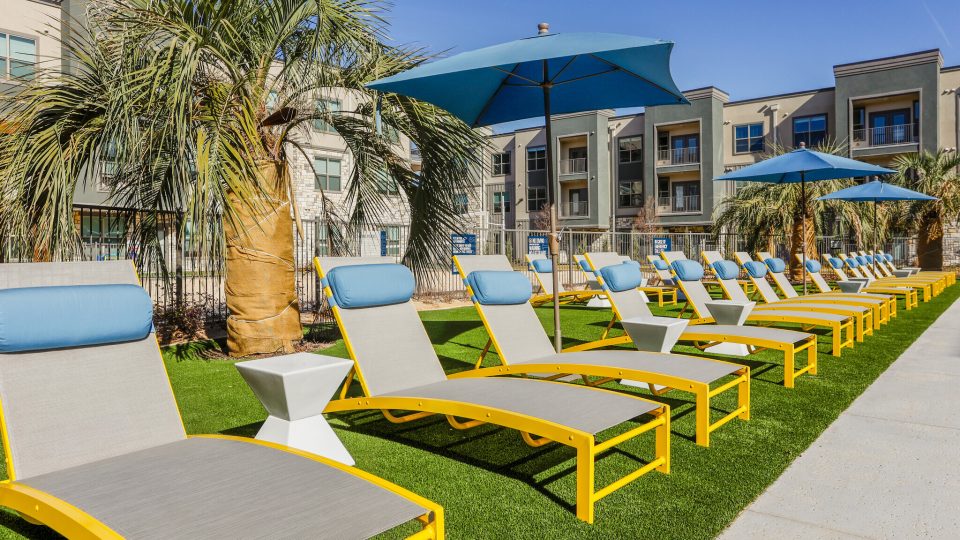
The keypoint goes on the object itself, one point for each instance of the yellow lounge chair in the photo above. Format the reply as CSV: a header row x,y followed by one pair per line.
x,y
398,370
95,446
887,262
887,301
857,267
874,268
524,348
909,294
542,268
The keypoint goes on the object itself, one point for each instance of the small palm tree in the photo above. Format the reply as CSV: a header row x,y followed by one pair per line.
x,y
198,107
762,214
933,173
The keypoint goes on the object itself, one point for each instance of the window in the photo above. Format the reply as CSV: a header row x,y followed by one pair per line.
x,y
810,130
108,167
322,245
916,120
387,184
18,57
392,245
748,138
327,173
102,228
631,149
630,193
501,163
663,140
501,202
536,199
537,159
859,124
329,106
461,203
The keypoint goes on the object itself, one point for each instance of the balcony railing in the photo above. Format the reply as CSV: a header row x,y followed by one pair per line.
x,y
575,209
676,205
573,166
679,156
882,136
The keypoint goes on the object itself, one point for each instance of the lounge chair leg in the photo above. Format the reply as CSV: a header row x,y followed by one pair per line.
x,y
788,364
534,441
663,442
837,339
606,331
483,354
812,358
703,416
463,425
346,383
585,480
743,395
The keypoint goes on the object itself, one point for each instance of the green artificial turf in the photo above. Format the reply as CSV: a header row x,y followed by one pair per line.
x,y
491,485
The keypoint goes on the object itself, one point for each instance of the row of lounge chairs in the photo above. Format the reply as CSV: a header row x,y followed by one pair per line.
x,y
97,461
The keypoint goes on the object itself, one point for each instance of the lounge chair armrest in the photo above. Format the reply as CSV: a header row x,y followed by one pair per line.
x,y
654,334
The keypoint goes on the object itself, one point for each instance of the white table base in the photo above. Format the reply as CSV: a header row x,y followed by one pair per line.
x,y
312,434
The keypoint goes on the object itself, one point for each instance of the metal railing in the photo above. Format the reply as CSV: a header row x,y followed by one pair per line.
x,y
573,166
679,156
575,209
887,135
678,205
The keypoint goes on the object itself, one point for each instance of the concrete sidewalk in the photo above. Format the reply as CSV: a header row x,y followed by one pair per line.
x,y
889,467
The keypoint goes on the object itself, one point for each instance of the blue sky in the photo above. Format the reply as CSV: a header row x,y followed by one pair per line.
x,y
748,48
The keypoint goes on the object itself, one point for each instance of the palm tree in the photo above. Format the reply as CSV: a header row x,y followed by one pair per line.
x,y
763,214
933,173
198,107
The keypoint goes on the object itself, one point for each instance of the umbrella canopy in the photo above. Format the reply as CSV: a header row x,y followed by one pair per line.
x,y
502,83
540,76
876,191
802,165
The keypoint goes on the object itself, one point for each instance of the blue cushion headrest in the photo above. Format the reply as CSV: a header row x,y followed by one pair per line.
x,y
621,277
499,287
813,266
869,258
861,259
755,268
586,266
776,265
542,266
660,264
851,262
370,285
633,262
888,257
40,318
835,262
687,270
726,269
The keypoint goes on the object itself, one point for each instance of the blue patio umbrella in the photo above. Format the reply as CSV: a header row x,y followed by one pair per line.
x,y
876,192
540,76
802,165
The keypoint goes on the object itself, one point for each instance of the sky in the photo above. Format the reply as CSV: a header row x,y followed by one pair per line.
x,y
747,48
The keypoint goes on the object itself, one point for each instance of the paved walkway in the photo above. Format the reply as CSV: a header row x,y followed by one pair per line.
x,y
889,467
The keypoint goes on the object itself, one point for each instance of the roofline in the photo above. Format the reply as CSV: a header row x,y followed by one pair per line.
x,y
950,68
894,57
783,95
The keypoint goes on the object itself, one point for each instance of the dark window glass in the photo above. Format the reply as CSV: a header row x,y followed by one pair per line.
x,y
631,149
810,130
536,159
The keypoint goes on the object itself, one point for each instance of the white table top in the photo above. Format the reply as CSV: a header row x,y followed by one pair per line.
x,y
290,364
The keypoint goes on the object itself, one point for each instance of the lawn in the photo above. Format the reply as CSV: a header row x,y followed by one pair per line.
x,y
493,486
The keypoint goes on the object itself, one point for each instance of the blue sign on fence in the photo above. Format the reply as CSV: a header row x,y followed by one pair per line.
x,y
661,244
538,245
383,243
462,244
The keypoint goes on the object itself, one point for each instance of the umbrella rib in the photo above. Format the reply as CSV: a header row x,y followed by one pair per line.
x,y
493,96
582,77
637,75
512,73
564,68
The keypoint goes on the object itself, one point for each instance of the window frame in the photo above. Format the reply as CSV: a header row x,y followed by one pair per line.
x,y
751,140
533,198
505,167
319,125
503,203
633,196
5,75
620,150
392,247
533,149
461,203
325,186
826,128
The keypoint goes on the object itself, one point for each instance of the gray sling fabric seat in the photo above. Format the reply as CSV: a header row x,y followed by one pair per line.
x,y
218,488
97,427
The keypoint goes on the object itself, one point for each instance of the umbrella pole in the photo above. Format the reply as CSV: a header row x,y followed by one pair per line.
x,y
874,237
554,241
803,231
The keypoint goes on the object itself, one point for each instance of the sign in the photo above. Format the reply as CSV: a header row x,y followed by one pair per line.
x,y
462,244
383,243
661,244
538,244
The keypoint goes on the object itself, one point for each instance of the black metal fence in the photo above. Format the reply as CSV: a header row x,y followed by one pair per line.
x,y
181,275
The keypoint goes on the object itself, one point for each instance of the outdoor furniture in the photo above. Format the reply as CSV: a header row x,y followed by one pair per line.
x,y
295,388
857,269
910,296
524,348
704,336
95,446
730,311
852,286
850,292
542,268
399,370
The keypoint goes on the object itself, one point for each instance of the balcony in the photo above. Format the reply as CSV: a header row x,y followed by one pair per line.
x,y
573,166
679,156
687,204
575,209
887,135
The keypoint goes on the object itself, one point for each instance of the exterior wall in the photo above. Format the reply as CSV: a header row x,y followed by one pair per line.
x,y
34,19
949,114
622,127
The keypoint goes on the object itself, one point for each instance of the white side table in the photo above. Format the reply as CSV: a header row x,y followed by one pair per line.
x,y
653,334
732,313
851,286
295,388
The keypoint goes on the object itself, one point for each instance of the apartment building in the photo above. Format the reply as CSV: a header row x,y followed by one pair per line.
x,y
626,172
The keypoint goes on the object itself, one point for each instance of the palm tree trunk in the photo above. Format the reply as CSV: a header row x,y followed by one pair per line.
x,y
260,281
930,243
797,231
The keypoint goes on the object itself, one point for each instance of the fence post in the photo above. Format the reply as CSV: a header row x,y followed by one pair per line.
x,y
178,288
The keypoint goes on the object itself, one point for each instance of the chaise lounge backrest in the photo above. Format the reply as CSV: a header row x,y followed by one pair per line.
x,y
81,377
385,337
628,302
542,267
512,321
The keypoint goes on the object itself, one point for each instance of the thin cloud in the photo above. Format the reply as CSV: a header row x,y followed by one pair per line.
x,y
936,23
